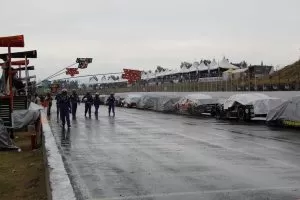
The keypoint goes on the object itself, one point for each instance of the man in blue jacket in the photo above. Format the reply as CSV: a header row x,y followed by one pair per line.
x,y
65,108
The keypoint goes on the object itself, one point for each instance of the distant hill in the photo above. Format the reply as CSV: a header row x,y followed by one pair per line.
x,y
290,72
287,75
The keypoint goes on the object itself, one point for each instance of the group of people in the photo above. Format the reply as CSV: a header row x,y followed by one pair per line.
x,y
68,104
45,101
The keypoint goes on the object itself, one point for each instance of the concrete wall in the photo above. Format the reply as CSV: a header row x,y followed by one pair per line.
x,y
58,182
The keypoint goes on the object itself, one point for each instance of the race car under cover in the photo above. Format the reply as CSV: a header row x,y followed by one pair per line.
x,y
247,106
131,100
147,101
286,114
158,102
196,104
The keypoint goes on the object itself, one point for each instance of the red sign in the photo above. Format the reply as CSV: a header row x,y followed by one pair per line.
x,y
131,75
12,41
72,71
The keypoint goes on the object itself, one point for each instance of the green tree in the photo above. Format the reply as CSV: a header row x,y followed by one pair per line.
x,y
186,64
160,69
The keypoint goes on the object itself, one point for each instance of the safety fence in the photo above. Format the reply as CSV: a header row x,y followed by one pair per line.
x,y
194,86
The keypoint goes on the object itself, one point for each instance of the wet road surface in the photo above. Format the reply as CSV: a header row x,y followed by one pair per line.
x,y
153,156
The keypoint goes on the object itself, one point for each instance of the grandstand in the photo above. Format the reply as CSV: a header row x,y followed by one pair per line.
x,y
221,76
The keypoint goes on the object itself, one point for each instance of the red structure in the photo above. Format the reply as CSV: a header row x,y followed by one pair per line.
x,y
16,63
9,102
131,75
72,71
11,41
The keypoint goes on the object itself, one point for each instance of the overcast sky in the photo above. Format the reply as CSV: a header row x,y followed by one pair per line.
x,y
142,34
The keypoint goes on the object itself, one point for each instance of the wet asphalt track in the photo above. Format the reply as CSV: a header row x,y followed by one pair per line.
x,y
141,155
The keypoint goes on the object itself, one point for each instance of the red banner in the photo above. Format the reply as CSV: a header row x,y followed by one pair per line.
x,y
131,75
12,41
72,71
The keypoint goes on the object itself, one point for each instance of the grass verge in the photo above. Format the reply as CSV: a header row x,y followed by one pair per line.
x,y
22,174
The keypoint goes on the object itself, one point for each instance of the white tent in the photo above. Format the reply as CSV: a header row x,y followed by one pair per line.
x,y
213,65
226,65
148,75
184,70
194,67
203,67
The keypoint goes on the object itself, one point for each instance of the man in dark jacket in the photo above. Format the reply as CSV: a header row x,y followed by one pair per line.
x,y
97,103
74,101
57,98
88,99
65,108
111,104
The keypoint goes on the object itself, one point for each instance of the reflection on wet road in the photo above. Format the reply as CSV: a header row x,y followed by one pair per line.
x,y
148,155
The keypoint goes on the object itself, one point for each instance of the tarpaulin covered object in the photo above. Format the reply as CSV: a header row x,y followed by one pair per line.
x,y
166,103
288,111
5,141
158,102
147,101
195,103
262,103
132,99
22,118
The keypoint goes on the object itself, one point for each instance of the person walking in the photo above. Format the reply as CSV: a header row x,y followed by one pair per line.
x,y
37,99
49,103
88,99
57,98
65,108
97,103
111,104
74,101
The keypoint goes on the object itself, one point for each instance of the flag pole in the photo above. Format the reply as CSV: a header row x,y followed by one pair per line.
x,y
11,95
26,76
